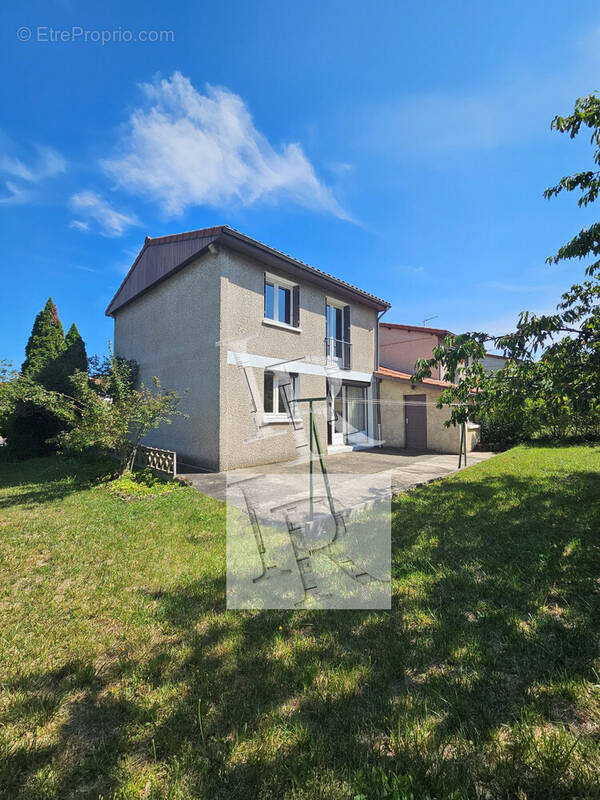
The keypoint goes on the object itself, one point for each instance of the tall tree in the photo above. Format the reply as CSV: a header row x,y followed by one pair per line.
x,y
46,342
75,351
564,382
73,359
51,360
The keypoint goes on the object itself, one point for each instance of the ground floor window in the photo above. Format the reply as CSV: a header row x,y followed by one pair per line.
x,y
280,391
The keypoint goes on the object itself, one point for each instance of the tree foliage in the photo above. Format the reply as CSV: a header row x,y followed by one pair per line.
x,y
105,410
551,380
46,342
73,359
51,359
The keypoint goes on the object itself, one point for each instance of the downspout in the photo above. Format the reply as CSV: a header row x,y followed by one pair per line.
x,y
378,380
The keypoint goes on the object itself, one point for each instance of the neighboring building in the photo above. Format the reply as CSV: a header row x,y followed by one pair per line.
x,y
492,362
420,426
246,330
401,345
410,417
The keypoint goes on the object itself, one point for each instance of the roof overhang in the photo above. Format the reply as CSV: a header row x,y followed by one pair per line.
x,y
395,375
418,328
224,236
297,269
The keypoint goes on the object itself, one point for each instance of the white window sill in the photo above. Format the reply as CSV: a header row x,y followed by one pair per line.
x,y
278,419
273,323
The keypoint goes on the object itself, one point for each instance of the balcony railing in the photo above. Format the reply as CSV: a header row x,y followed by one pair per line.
x,y
338,352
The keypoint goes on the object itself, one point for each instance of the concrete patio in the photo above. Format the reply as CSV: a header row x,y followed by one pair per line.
x,y
405,468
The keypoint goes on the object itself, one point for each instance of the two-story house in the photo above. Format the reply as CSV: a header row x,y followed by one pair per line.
x,y
243,331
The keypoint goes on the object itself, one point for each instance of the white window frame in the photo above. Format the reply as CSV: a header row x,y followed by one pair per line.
x,y
279,415
332,358
277,283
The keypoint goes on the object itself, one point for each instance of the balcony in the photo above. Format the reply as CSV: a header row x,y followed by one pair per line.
x,y
338,352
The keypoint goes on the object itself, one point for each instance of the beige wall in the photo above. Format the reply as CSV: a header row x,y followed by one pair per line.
x,y
242,303
182,330
400,349
439,437
493,363
171,332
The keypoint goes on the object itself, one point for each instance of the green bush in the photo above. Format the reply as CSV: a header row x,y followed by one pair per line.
x,y
27,431
505,427
141,484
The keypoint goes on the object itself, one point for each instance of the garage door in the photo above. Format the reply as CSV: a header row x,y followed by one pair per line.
x,y
415,415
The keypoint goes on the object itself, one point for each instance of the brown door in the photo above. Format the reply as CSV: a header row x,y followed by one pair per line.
x,y
415,416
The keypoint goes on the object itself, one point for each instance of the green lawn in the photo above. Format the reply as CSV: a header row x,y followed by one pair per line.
x,y
122,675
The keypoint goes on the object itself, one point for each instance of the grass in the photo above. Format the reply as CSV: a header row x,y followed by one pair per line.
x,y
123,676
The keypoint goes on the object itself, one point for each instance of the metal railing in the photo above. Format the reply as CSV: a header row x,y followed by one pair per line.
x,y
338,351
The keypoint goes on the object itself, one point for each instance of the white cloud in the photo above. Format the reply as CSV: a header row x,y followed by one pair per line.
x,y
341,167
184,148
515,106
446,122
514,288
23,177
48,164
16,194
79,225
407,269
94,208
84,268
15,167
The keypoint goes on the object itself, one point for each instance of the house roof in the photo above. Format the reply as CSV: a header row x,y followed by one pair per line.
x,y
394,374
163,256
419,328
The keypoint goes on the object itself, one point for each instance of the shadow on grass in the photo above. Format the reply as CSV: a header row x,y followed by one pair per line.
x,y
469,687
55,478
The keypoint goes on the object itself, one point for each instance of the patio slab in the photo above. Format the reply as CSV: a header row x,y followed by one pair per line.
x,y
406,469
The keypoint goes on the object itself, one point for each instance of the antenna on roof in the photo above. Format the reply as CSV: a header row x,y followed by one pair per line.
x,y
428,319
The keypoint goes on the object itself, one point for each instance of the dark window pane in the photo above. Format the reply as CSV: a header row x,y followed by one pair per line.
x,y
269,301
285,305
282,407
339,326
268,393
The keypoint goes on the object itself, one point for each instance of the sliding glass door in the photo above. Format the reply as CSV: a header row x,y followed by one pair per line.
x,y
347,415
356,405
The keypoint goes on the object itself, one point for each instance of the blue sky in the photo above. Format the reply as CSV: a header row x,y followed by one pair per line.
x,y
401,146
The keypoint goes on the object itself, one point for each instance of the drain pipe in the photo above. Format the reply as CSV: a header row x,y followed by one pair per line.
x,y
378,380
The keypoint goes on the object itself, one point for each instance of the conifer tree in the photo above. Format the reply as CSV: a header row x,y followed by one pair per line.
x,y
46,342
72,360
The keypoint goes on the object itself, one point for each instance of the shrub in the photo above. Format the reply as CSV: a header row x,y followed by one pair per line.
x,y
142,484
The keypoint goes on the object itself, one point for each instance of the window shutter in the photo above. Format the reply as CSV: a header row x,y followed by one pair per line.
x,y
296,307
347,361
265,293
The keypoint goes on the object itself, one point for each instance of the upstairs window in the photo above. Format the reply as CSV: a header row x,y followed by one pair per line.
x,y
282,301
337,334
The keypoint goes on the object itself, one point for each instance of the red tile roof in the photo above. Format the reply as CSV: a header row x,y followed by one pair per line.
x,y
384,372
421,328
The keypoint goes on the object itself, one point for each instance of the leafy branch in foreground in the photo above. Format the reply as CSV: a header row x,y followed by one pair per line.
x,y
552,373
